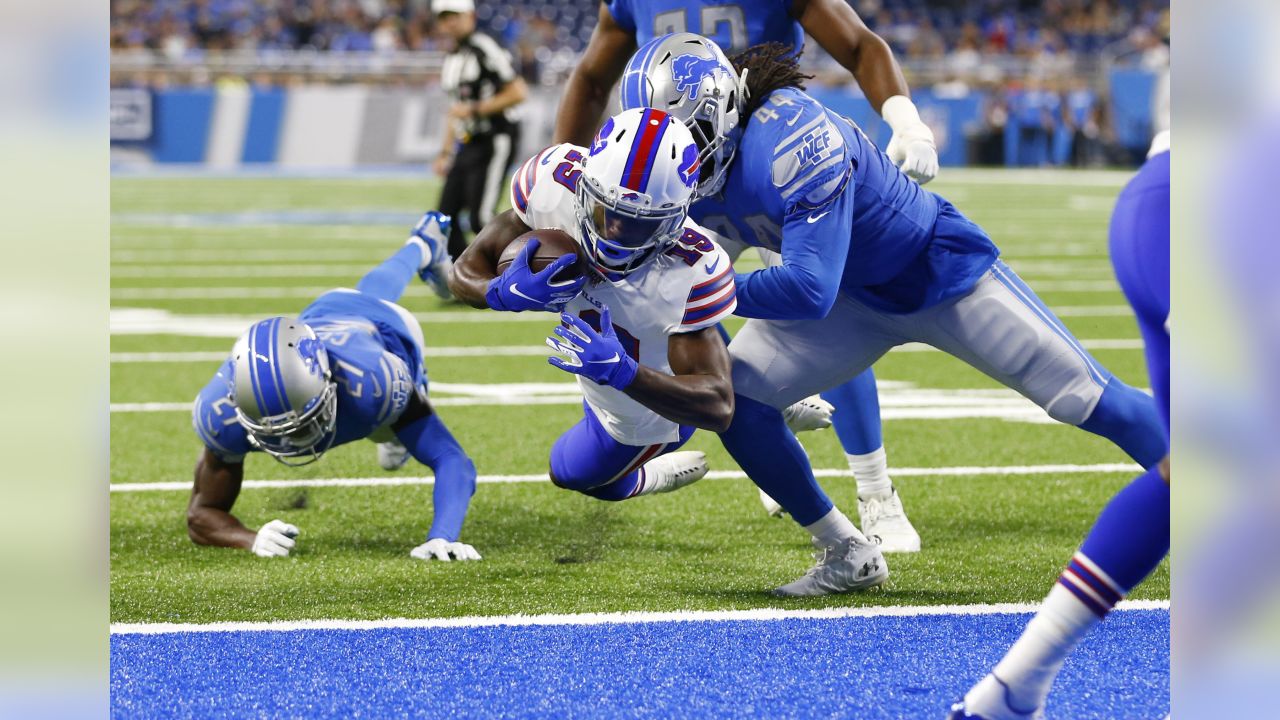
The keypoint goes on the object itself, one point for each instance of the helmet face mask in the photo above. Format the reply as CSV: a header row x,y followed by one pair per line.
x,y
283,391
633,195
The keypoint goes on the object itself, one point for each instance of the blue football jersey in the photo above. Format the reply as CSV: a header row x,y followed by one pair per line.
x,y
374,359
734,26
806,179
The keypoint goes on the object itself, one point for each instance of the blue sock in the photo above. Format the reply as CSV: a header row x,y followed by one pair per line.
x,y
388,280
1128,417
620,489
772,457
1131,535
857,416
431,443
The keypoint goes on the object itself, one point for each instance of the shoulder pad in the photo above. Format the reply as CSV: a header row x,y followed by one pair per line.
x,y
808,157
534,186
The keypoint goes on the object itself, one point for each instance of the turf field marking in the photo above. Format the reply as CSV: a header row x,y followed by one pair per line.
x,y
615,618
962,471
241,270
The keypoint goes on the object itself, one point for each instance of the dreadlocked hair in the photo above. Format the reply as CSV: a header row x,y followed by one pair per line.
x,y
770,66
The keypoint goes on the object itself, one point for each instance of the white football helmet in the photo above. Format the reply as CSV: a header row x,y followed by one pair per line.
x,y
688,76
284,392
634,192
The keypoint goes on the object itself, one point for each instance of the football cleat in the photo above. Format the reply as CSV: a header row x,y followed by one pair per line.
x,y
431,234
392,455
771,506
885,519
846,566
811,413
991,688
673,471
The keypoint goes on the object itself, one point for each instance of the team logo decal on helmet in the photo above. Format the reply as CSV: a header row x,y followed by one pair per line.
x,y
602,138
688,72
689,165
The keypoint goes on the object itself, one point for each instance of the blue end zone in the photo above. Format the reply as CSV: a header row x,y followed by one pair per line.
x,y
878,667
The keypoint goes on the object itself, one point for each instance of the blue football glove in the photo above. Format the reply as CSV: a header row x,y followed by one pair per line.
x,y
595,355
519,288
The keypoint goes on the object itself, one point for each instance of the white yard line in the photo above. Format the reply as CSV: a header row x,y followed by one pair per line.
x,y
962,471
614,618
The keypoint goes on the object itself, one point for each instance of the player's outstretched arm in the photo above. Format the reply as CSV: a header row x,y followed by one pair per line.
x,y
477,266
587,92
840,32
209,518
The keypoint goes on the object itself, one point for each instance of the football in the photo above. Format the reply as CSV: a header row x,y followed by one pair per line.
x,y
552,244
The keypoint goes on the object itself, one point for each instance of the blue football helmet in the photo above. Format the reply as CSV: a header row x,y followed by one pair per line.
x,y
283,390
689,77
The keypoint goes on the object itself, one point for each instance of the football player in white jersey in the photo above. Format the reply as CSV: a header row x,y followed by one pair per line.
x,y
638,328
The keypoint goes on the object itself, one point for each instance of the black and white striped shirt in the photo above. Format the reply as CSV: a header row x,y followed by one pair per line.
x,y
478,69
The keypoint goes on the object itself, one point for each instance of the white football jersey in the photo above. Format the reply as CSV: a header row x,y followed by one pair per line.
x,y
688,288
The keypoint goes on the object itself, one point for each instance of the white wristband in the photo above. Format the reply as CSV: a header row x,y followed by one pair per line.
x,y
900,113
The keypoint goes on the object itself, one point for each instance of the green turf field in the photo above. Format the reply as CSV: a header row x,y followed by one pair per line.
x,y
180,274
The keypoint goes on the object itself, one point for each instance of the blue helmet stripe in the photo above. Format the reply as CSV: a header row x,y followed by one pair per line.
x,y
633,79
270,389
277,365
253,367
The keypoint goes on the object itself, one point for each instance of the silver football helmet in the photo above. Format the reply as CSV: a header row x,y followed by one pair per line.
x,y
689,77
284,392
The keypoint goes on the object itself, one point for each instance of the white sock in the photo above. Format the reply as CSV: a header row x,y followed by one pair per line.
x,y
1032,664
871,471
833,528
426,251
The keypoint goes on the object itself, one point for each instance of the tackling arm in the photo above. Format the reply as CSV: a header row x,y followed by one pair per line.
x,y
209,518
700,393
478,265
587,92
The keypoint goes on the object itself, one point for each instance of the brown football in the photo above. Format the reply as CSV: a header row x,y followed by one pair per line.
x,y
552,244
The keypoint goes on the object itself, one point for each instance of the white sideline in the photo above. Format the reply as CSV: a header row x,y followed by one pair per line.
x,y
899,472
614,618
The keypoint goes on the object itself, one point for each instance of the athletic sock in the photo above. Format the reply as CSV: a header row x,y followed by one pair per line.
x,y
628,485
1129,418
1128,541
871,471
758,439
388,280
834,528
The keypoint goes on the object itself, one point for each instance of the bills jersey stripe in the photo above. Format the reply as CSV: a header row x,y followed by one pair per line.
x,y
711,287
699,314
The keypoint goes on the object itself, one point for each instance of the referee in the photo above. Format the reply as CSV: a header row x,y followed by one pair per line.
x,y
481,132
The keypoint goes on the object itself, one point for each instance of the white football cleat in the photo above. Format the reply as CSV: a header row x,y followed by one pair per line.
x,y
848,565
392,455
673,471
885,519
811,413
431,235
990,700
771,506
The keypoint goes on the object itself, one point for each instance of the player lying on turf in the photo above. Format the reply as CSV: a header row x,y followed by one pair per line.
x,y
736,26
638,326
870,260
1131,535
348,367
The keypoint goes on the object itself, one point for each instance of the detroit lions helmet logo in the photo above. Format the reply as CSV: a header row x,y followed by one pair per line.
x,y
314,356
688,72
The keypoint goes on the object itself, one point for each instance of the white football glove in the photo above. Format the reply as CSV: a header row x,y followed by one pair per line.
x,y
912,146
275,539
811,413
441,549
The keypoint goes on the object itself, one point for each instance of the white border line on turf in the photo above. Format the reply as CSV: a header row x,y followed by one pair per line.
x,y
713,475
615,618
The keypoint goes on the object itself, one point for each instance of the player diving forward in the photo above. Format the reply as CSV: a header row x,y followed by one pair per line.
x,y
870,260
638,328
348,367
1131,535
735,26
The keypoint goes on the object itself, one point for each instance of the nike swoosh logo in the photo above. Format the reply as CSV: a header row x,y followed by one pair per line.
x,y
811,220
516,291
793,120
712,267
613,359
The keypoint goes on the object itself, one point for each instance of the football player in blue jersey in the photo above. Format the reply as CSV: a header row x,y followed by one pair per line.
x,y
869,260
1131,535
348,367
736,26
